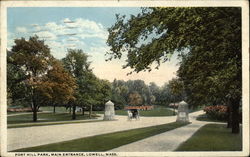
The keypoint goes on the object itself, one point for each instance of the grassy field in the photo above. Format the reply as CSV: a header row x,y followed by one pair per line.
x,y
49,123
10,113
51,108
157,111
205,118
106,141
45,117
213,137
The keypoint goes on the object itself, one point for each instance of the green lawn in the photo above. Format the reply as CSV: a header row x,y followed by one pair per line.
x,y
205,118
59,109
44,117
156,112
49,123
10,113
104,142
213,137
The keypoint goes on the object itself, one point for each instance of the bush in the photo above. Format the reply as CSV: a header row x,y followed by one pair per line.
x,y
217,112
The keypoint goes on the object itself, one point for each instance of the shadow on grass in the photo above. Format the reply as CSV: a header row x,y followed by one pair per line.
x,y
213,137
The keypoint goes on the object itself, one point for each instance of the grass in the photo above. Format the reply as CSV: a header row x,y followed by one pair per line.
x,y
44,117
44,123
156,112
59,109
10,113
213,137
104,142
208,119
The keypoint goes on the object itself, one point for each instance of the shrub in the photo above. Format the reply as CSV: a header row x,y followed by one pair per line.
x,y
218,112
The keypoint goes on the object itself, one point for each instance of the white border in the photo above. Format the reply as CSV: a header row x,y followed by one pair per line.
x,y
195,3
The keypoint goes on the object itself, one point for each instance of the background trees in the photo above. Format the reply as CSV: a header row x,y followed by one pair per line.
x,y
136,92
155,91
135,98
210,36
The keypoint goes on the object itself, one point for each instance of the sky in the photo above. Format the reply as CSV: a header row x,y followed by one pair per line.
x,y
83,28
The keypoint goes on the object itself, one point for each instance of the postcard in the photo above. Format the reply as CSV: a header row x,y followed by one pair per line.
x,y
124,78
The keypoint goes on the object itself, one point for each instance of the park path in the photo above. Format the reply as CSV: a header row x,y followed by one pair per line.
x,y
40,135
167,141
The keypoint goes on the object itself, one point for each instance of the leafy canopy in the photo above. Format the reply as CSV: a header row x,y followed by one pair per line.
x,y
156,33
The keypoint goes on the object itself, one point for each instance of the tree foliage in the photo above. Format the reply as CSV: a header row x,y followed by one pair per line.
x,y
176,87
31,59
207,38
58,85
135,99
91,91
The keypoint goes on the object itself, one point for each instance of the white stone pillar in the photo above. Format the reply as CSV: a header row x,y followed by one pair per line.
x,y
182,115
109,113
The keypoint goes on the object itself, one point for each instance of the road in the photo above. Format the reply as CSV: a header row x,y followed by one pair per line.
x,y
40,135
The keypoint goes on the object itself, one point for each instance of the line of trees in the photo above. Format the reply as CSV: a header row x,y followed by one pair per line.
x,y
136,92
35,78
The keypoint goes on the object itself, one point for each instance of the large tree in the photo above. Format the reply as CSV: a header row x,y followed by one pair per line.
x,y
156,33
17,90
32,59
58,85
76,62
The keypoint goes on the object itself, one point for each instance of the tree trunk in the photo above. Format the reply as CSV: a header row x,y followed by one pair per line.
x,y
74,112
82,110
174,108
70,109
235,116
229,118
34,115
34,109
90,111
54,110
33,106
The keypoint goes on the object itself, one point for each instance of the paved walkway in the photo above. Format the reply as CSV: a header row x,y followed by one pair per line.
x,y
34,136
167,141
